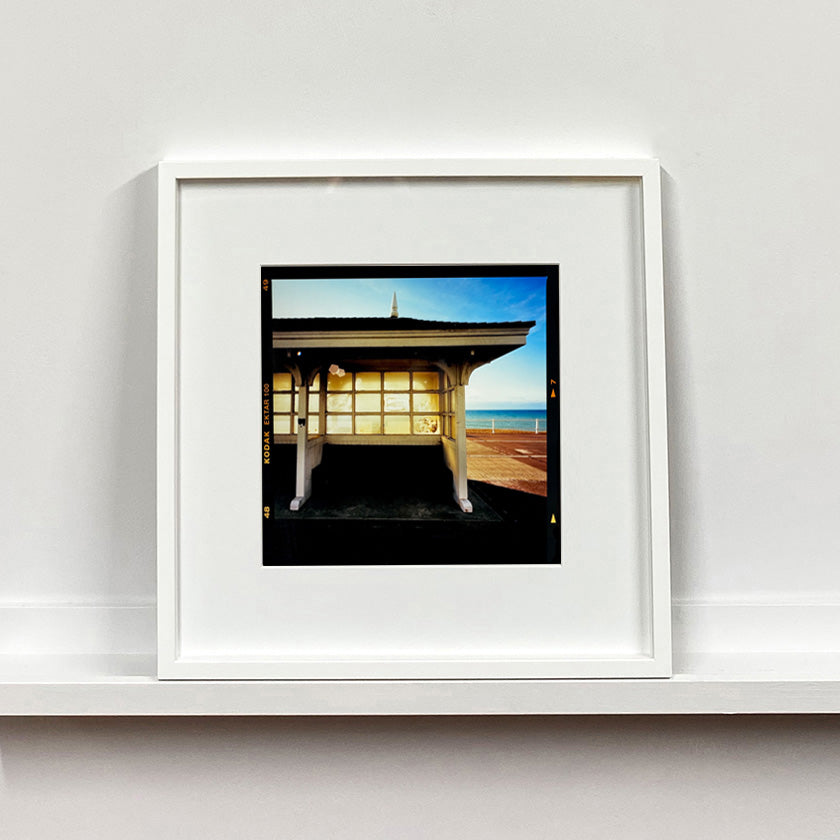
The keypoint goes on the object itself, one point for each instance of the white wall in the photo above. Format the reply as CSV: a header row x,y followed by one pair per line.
x,y
738,102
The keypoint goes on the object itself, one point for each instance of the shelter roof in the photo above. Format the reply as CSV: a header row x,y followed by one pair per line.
x,y
389,324
405,340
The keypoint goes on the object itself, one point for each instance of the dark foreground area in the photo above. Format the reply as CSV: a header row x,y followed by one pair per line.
x,y
393,505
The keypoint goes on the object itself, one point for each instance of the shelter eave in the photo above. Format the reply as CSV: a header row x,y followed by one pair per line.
x,y
480,336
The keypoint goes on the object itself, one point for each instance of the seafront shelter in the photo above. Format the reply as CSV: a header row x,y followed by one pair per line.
x,y
380,382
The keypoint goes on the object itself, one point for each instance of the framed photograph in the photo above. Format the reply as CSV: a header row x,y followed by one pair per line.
x,y
426,435
411,421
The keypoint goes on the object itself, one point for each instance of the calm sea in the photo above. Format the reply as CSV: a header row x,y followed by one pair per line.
x,y
505,418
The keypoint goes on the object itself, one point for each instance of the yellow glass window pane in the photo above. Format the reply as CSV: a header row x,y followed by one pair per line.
x,y
397,425
368,424
369,381
427,425
368,402
396,402
339,424
282,382
425,381
282,402
426,403
314,403
316,383
340,383
282,424
313,425
396,381
339,402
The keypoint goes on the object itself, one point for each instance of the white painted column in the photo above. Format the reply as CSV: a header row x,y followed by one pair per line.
x,y
459,465
303,475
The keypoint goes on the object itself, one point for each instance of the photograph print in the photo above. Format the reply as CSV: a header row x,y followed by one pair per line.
x,y
410,415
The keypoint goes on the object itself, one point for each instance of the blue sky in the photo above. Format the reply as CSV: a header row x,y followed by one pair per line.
x,y
516,380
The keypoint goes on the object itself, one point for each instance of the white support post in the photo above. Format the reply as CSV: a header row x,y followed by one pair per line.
x,y
303,475
459,465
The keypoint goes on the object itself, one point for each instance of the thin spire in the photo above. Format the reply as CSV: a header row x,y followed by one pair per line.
x,y
395,312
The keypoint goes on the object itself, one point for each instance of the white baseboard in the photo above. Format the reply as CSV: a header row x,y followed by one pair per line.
x,y
58,628
759,626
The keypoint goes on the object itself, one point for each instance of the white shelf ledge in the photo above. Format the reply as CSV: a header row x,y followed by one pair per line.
x,y
703,684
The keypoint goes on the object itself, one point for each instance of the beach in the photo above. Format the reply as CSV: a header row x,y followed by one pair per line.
x,y
509,458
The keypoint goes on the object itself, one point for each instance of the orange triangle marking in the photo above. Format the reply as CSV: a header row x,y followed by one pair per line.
x,y
552,392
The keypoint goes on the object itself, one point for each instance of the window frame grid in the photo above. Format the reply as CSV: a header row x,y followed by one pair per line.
x,y
354,391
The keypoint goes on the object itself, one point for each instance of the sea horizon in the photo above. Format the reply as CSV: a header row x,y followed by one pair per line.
x,y
518,419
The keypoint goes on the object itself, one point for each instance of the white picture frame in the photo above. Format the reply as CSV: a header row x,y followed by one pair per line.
x,y
604,613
